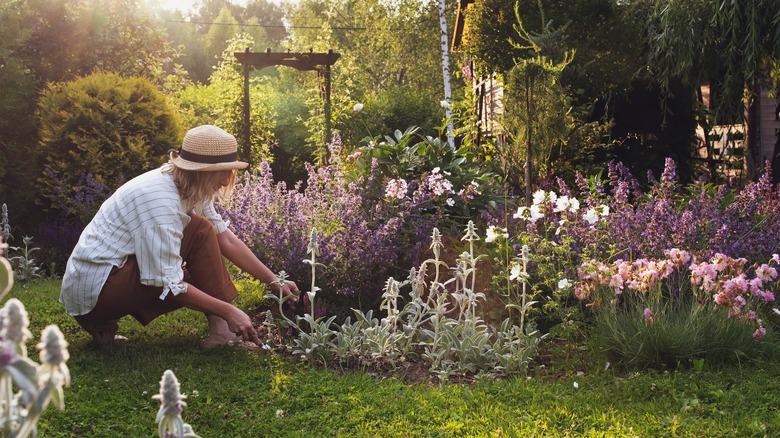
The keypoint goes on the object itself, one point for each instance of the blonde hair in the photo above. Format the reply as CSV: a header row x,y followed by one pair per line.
x,y
199,187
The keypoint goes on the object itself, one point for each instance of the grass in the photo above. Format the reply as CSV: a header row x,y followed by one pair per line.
x,y
235,393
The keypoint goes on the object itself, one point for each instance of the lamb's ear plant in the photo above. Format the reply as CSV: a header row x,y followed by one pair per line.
x,y
25,266
35,385
441,324
169,419
317,344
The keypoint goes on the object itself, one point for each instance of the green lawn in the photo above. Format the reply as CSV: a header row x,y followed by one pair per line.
x,y
235,393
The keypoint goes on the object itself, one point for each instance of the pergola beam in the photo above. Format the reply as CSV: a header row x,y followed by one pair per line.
x,y
299,61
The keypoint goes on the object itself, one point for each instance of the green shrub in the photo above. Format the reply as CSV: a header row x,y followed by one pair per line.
x,y
220,103
102,125
393,109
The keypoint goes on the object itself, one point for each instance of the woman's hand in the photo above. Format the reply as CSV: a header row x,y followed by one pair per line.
x,y
288,288
240,324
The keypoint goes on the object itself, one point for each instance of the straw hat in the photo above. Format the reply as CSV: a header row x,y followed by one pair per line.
x,y
207,148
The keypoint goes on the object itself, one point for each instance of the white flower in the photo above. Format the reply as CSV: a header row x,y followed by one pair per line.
x,y
539,196
516,272
444,104
562,204
603,210
564,283
279,413
358,107
576,385
530,214
574,205
494,233
450,202
591,216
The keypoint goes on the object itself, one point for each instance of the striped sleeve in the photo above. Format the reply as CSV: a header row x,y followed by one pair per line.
x,y
210,213
157,252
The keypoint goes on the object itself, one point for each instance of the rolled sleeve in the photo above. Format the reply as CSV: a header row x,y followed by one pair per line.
x,y
157,252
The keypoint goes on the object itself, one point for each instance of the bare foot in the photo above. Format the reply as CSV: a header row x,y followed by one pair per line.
x,y
115,340
212,342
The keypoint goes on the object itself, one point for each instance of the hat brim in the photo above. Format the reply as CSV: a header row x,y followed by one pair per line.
x,y
181,163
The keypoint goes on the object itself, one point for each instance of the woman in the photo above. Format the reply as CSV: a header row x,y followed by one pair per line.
x,y
157,244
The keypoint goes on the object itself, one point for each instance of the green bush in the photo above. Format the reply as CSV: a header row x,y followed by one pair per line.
x,y
393,109
103,125
220,103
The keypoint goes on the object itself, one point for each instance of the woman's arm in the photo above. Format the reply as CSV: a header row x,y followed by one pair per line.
x,y
238,321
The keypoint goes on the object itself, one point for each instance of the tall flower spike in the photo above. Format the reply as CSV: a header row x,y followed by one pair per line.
x,y
15,323
6,228
314,247
436,243
171,406
54,354
471,233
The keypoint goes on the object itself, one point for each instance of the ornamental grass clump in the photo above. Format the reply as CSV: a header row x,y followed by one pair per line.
x,y
665,312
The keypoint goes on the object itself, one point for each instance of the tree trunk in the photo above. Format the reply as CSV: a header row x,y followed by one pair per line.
x,y
752,145
445,62
529,108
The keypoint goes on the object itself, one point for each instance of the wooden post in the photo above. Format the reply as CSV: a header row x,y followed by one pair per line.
x,y
327,106
247,152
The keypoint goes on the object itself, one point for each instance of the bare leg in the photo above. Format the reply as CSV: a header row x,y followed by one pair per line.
x,y
220,335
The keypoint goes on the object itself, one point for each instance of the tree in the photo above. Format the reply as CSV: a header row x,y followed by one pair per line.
x,y
223,29
105,126
734,47
270,16
537,110
72,38
383,44
17,109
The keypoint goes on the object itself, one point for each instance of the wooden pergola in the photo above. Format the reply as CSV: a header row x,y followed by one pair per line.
x,y
299,61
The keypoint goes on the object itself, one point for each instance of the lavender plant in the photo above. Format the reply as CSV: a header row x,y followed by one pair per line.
x,y
357,246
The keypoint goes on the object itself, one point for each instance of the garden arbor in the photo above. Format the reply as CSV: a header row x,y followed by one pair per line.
x,y
298,61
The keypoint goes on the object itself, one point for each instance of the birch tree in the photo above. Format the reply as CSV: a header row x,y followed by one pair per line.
x,y
445,63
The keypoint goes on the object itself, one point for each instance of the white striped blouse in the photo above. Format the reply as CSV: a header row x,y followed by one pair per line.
x,y
145,217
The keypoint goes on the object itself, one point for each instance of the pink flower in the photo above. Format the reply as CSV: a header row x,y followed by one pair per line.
x,y
766,272
759,333
648,316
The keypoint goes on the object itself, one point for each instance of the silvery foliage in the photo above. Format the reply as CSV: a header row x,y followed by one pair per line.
x,y
437,322
24,266
26,388
169,420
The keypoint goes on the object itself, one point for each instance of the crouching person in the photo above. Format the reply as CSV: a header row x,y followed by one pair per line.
x,y
157,244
